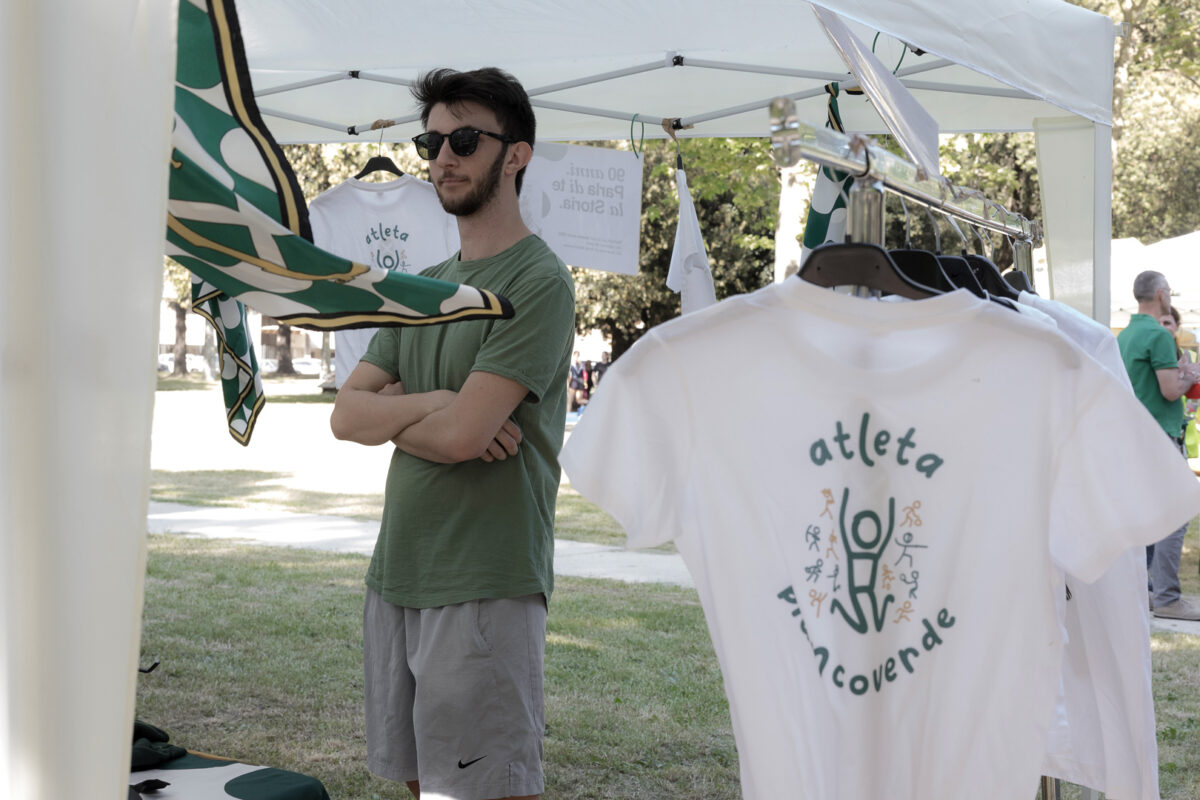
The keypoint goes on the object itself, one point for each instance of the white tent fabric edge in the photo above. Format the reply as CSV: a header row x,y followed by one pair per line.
x,y
81,230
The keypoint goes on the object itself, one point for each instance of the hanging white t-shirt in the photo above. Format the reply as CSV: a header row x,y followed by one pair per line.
x,y
875,501
397,225
689,273
1103,736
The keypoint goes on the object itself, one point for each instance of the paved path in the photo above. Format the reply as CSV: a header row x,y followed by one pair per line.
x,y
316,532
344,535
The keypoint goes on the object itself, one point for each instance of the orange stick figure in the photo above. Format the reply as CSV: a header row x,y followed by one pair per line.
x,y
815,599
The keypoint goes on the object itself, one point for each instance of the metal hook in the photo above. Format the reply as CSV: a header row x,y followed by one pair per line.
x,y
957,230
907,224
937,236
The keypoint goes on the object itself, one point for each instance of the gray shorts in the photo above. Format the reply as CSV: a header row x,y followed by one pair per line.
x,y
454,695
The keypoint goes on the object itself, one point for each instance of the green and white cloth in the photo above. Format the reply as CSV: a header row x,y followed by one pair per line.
x,y
826,221
198,777
237,220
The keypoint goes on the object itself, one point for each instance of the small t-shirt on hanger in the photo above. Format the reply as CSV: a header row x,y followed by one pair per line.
x,y
878,524
397,225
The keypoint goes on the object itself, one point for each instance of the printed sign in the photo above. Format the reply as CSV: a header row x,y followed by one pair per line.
x,y
586,203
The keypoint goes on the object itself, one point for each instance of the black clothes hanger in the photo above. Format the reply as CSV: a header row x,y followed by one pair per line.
x,y
957,268
961,275
1019,281
989,277
380,164
859,264
921,266
377,162
987,273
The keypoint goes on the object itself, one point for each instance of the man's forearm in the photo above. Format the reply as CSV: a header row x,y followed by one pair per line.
x,y
433,438
373,418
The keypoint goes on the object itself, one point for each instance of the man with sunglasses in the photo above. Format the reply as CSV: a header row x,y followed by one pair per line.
x,y
457,589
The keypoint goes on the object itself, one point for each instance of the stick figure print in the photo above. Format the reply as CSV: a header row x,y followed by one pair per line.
x,y
902,612
912,584
814,572
828,495
813,536
815,599
910,515
830,552
888,577
906,543
833,576
870,537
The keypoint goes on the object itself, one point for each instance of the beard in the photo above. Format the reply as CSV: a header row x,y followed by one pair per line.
x,y
478,197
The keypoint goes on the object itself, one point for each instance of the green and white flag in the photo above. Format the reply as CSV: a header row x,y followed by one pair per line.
x,y
236,218
826,220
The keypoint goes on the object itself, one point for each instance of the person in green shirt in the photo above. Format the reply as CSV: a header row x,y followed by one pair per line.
x,y
1148,350
458,586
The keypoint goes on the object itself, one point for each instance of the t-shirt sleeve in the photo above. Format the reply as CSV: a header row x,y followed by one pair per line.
x,y
529,348
1118,481
1162,351
629,450
384,351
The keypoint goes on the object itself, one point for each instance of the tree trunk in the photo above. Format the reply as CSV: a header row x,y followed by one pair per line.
x,y
179,353
284,345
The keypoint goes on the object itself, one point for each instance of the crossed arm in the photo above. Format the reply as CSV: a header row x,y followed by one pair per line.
x,y
442,426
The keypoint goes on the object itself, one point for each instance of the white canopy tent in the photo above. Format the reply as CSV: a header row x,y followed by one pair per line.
x,y
320,76
81,263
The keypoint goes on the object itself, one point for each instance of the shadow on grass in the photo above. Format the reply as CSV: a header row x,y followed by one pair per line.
x,y
234,488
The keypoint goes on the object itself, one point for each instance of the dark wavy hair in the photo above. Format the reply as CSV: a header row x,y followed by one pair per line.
x,y
492,88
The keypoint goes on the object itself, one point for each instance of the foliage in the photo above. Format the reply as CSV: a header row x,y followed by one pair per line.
x,y
1156,174
735,188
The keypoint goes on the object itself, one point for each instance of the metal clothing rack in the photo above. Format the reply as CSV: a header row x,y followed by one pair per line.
x,y
878,171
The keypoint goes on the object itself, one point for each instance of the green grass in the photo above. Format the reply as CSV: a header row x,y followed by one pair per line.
x,y
242,488
262,662
193,381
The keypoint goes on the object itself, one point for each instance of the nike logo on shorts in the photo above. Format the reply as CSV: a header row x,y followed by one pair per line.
x,y
461,765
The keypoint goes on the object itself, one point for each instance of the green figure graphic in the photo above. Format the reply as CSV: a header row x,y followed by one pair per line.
x,y
862,564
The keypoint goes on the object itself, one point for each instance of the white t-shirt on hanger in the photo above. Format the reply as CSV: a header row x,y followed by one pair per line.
x,y
397,225
1103,736
877,501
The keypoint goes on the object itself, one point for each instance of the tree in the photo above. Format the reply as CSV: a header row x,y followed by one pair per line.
x,y
1156,116
735,187
179,279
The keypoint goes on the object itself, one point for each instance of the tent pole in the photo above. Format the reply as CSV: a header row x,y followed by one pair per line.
x,y
338,76
607,76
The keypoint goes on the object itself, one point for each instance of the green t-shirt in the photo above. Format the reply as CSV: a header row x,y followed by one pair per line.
x,y
457,532
1146,346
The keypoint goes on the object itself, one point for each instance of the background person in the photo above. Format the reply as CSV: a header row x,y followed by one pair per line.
x,y
1148,350
454,624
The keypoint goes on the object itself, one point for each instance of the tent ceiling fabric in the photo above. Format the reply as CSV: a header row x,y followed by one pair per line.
x,y
987,65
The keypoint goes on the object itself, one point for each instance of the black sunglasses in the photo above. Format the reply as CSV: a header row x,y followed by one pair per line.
x,y
462,141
